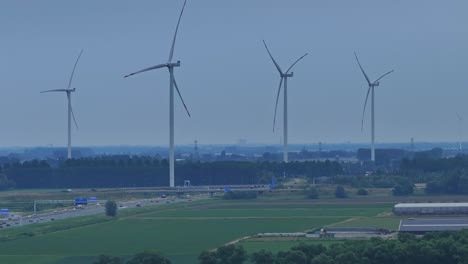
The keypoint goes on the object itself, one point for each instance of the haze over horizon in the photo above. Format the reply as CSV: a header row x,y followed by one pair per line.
x,y
226,76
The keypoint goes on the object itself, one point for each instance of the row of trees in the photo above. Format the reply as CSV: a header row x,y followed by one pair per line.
x,y
391,159
433,248
451,182
429,165
126,171
373,181
447,175
401,185
443,176
139,258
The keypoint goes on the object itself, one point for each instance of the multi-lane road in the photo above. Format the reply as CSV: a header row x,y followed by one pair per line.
x,y
98,207
91,209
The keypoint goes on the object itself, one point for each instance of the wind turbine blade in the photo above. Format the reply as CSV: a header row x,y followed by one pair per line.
x,y
364,110
74,119
383,76
271,56
55,90
180,95
292,65
276,105
363,72
175,34
147,69
74,67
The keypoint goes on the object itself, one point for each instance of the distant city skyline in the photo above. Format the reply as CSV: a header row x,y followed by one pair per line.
x,y
227,81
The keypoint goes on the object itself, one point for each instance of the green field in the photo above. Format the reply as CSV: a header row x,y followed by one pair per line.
x,y
270,212
390,223
179,231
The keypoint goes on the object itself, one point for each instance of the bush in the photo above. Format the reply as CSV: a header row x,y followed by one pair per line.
x,y
148,258
111,208
362,191
225,254
262,257
340,192
403,189
312,193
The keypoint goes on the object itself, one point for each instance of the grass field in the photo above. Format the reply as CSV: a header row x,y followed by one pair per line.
x,y
389,223
179,233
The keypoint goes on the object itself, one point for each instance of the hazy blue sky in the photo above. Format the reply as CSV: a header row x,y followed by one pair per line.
x,y
226,78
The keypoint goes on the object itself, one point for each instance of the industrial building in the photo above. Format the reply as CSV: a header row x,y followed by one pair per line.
x,y
430,209
424,225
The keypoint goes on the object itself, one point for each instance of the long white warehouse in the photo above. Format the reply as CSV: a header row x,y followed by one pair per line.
x,y
430,208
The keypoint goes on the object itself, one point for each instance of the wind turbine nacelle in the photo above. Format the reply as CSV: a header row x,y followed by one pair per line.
x,y
376,84
174,64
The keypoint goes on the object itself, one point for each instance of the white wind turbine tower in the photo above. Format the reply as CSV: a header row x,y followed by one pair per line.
x,y
460,123
70,113
284,77
172,83
370,90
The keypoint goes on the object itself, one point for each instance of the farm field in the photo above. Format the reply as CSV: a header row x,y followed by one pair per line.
x,y
389,223
274,211
179,232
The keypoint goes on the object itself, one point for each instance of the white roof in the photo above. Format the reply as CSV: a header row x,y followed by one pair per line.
x,y
413,205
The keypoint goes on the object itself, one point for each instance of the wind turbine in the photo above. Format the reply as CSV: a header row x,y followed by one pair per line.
x,y
172,83
284,77
70,113
460,121
370,89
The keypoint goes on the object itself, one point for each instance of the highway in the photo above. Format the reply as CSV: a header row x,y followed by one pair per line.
x,y
98,207
91,209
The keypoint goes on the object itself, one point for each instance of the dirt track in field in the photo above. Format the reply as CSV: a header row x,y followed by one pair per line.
x,y
350,201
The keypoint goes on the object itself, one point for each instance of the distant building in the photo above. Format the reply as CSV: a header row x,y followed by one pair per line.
x,y
430,208
424,225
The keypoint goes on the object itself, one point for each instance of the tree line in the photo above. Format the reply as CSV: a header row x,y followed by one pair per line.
x,y
433,248
141,171
442,176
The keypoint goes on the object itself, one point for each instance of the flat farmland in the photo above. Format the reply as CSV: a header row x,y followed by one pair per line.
x,y
179,232
253,210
